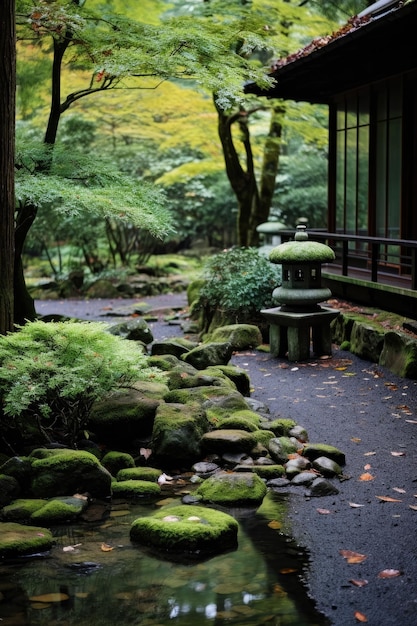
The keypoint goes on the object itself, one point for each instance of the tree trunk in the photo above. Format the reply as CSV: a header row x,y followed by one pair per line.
x,y
7,160
253,204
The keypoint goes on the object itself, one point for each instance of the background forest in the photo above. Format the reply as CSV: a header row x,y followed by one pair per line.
x,y
134,136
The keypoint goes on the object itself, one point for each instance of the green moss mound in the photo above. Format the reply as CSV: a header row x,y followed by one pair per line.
x,y
193,530
19,540
135,489
139,473
269,471
281,426
21,510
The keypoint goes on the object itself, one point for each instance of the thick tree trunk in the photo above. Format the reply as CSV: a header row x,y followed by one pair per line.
x,y
7,160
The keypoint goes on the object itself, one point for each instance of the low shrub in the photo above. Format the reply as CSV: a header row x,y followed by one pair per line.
x,y
52,373
239,282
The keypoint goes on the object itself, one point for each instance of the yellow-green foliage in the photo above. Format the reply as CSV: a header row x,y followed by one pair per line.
x,y
54,372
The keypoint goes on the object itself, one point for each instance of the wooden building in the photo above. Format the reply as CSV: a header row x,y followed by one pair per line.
x,y
367,74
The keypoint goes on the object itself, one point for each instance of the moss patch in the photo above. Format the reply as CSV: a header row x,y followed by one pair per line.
x,y
233,489
150,474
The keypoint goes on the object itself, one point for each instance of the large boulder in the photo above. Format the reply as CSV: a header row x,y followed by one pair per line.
x,y
367,341
64,472
125,415
177,433
9,489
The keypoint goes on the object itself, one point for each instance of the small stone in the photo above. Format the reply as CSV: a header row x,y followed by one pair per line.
x,y
303,478
322,487
295,466
278,483
327,467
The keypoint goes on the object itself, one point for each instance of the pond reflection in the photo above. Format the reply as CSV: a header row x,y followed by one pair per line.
x,y
99,577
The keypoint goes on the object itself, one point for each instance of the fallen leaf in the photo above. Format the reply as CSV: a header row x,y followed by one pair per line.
x,y
411,421
164,478
360,617
367,467
369,454
387,499
355,506
398,490
352,557
274,524
356,439
288,570
50,597
413,506
366,476
389,573
323,511
398,453
106,548
145,452
358,583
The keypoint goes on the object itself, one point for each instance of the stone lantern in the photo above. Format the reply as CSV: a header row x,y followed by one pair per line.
x,y
299,295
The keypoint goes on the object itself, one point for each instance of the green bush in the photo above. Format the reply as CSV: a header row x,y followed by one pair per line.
x,y
239,282
52,373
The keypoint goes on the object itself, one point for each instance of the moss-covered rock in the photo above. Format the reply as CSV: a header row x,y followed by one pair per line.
x,y
228,440
135,329
280,448
59,510
367,341
125,415
236,422
233,489
9,489
281,426
237,375
170,346
180,378
240,336
19,468
263,437
192,531
213,353
70,471
20,540
315,450
177,433
269,471
21,510
115,461
399,354
207,395
139,473
136,489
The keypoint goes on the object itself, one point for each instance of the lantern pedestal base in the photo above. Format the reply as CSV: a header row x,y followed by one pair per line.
x,y
292,332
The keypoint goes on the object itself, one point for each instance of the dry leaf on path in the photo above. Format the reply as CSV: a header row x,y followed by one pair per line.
x,y
387,499
352,557
360,617
358,583
106,548
398,453
323,511
355,506
389,573
366,476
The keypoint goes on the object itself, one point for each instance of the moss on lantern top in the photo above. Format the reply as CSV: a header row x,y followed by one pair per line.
x,y
301,250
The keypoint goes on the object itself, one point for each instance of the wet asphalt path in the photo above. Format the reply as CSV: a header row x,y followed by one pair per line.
x,y
371,415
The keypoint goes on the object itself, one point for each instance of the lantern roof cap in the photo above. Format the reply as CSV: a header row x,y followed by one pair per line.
x,y
301,250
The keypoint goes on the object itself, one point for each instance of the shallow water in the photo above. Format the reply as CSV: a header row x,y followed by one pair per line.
x,y
106,580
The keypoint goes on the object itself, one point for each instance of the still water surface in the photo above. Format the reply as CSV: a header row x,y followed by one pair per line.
x,y
105,580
